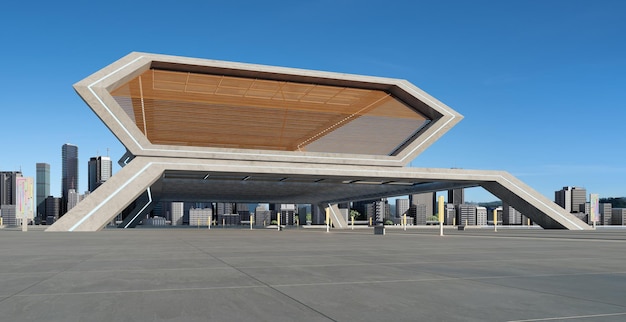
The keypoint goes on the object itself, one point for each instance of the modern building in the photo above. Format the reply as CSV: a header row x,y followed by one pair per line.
x,y
43,189
450,215
467,214
200,216
510,216
428,199
606,213
8,187
456,196
572,199
53,209
618,216
197,129
100,170
402,207
177,213
73,198
481,216
9,215
69,173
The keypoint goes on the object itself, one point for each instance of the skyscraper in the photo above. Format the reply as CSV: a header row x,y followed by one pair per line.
x,y
43,189
456,196
571,198
100,170
8,192
428,199
69,173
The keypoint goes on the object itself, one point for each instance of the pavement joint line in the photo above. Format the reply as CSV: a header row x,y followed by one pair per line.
x,y
573,317
260,281
18,293
146,290
272,286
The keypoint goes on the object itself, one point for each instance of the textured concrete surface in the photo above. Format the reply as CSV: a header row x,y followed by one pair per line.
x,y
310,275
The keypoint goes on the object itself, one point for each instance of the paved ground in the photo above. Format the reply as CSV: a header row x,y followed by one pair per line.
x,y
310,275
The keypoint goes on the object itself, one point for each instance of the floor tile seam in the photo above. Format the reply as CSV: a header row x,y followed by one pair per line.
x,y
437,279
213,288
390,264
152,269
550,238
572,317
585,299
312,309
41,281
492,282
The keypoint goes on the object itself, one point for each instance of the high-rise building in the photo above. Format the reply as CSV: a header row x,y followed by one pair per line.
x,y
571,198
100,170
450,215
481,216
69,173
429,199
618,216
402,207
53,209
198,216
467,214
177,213
73,198
456,196
8,187
510,216
43,189
606,212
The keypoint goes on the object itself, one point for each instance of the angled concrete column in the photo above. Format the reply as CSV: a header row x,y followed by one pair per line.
x,y
532,204
335,215
143,205
101,206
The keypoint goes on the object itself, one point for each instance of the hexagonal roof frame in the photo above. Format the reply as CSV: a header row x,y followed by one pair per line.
x,y
95,91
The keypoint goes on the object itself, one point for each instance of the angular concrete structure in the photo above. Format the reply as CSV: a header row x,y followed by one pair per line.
x,y
200,129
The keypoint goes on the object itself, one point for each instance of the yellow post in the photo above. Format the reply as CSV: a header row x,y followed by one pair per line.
x,y
208,222
404,221
198,222
278,220
251,221
495,220
327,219
370,221
352,222
441,210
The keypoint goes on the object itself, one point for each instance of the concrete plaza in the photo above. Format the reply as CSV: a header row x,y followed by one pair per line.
x,y
192,274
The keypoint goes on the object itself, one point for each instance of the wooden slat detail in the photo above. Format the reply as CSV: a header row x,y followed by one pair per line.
x,y
223,111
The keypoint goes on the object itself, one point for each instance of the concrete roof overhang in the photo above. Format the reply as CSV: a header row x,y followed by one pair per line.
x,y
207,170
159,105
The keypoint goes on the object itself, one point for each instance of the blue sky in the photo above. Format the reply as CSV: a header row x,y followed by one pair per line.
x,y
542,84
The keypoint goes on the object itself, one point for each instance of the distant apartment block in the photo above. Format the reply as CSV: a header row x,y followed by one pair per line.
x,y
177,211
402,207
99,171
450,215
571,198
618,216
481,216
510,216
43,189
606,213
200,216
467,214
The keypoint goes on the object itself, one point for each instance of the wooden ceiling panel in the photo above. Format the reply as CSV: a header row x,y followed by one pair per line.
x,y
182,108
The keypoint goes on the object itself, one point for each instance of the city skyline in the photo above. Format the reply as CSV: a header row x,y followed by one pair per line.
x,y
540,84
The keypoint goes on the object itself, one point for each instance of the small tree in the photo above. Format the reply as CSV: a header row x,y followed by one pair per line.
x,y
354,214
